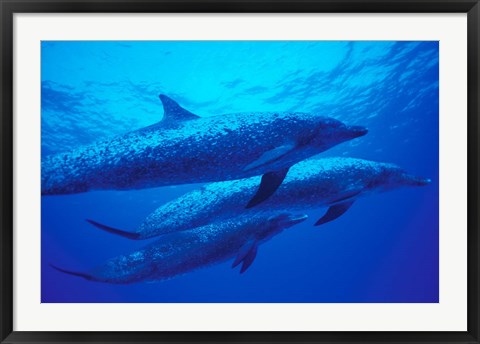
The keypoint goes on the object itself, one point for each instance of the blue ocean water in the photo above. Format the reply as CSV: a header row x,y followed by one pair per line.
x,y
384,249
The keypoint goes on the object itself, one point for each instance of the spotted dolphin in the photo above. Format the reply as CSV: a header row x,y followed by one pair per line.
x,y
183,148
329,182
182,252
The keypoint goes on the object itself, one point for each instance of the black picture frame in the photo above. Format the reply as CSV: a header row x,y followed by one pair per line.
x,y
10,7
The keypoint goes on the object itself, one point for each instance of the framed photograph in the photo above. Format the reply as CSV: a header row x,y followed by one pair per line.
x,y
240,172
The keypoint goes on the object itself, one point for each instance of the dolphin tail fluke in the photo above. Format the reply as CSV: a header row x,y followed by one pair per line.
x,y
125,234
334,212
74,273
269,184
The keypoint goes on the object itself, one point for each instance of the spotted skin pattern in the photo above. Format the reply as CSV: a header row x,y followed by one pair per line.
x,y
310,184
178,151
182,252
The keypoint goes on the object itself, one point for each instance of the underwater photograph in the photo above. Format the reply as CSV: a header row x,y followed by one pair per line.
x,y
239,172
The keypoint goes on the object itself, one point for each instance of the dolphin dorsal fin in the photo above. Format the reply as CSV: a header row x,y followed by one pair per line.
x,y
174,113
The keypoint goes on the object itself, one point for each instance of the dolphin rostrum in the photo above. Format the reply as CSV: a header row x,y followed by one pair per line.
x,y
329,182
183,148
182,252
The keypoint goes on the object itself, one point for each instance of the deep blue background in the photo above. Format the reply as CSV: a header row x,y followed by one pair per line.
x,y
384,249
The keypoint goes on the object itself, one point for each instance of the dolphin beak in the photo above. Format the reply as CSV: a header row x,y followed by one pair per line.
x,y
411,180
357,131
419,181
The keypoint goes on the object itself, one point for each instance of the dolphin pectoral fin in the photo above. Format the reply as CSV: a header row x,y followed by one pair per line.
x,y
270,156
172,112
249,258
269,184
125,234
242,253
247,255
73,273
334,212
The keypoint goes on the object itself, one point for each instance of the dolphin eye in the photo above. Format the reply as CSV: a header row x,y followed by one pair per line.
x,y
383,178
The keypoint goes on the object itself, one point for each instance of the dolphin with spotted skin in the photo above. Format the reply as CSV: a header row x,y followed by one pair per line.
x,y
182,252
183,148
329,182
